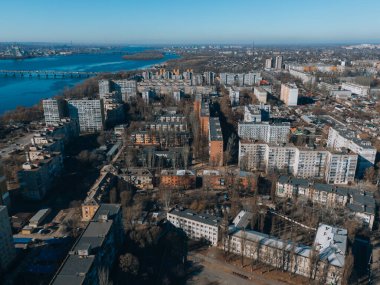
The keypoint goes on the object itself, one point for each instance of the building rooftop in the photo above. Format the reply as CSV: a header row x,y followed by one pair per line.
x,y
332,244
215,130
202,218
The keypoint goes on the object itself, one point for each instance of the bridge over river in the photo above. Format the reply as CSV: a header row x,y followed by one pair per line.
x,y
47,74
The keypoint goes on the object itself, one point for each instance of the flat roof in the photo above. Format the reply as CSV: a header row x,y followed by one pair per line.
x,y
201,218
215,129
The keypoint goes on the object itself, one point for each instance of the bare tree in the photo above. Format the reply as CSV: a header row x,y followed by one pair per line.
x,y
103,276
166,195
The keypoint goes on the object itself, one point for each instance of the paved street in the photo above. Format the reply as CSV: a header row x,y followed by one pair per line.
x,y
221,273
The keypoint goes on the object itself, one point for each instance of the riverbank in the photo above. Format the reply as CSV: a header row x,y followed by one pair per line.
x,y
25,91
146,55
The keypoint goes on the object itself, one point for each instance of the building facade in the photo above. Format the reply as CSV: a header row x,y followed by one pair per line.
x,y
88,113
7,249
289,94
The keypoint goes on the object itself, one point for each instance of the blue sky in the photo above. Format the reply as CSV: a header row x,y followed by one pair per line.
x,y
191,21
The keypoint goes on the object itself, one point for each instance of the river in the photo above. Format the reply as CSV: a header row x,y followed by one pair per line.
x,y
29,91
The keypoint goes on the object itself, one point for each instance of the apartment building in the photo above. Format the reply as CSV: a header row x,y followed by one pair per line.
x,y
36,177
4,194
215,142
264,131
261,94
177,179
204,117
342,137
7,249
360,202
341,168
54,111
356,88
126,89
234,94
256,113
289,94
214,179
196,226
98,193
95,249
335,168
330,244
141,178
88,113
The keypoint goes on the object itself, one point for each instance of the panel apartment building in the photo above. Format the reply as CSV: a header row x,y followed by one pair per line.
x,y
289,94
196,226
335,167
359,202
126,89
215,143
88,113
7,249
341,137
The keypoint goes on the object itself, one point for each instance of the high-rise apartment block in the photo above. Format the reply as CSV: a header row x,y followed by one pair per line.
x,y
289,94
127,89
264,131
7,249
89,114
278,62
53,111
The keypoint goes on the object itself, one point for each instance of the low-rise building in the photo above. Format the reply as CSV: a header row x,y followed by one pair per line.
x,y
177,179
196,226
96,249
356,88
98,193
329,247
359,202
141,178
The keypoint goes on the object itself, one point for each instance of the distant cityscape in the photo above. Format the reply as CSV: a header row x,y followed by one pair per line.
x,y
226,164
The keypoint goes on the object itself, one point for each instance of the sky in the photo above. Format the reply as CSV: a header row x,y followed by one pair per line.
x,y
190,21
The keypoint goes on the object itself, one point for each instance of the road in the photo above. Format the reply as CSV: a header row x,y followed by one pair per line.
x,y
220,272
20,142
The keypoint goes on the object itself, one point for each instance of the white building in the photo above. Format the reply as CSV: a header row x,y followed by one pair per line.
x,y
261,94
330,244
270,133
88,113
196,226
341,137
341,168
234,96
361,203
356,88
335,168
268,63
7,249
256,113
53,111
278,62
303,76
289,94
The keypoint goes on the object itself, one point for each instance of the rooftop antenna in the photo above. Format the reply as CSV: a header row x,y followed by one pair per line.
x,y
253,54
